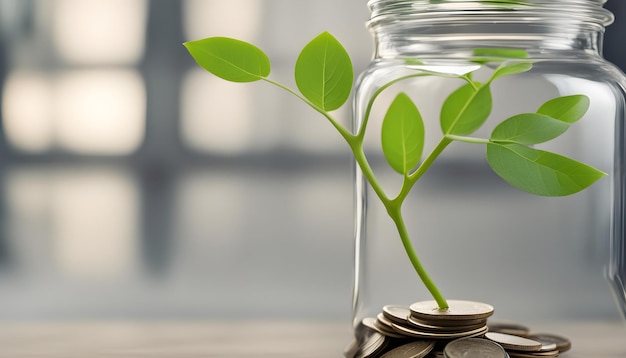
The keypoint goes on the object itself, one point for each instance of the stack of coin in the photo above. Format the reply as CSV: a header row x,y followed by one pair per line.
x,y
424,330
398,326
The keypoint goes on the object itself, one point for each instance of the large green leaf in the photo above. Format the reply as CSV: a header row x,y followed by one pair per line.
x,y
465,110
567,109
540,172
230,59
529,128
403,134
324,72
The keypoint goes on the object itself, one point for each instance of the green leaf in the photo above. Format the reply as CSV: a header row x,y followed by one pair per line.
x,y
494,54
465,110
511,69
500,53
324,72
540,172
230,59
528,128
568,109
403,134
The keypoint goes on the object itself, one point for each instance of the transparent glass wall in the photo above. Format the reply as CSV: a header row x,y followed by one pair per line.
x,y
132,184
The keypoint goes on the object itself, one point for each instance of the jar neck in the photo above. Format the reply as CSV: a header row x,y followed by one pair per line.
x,y
425,28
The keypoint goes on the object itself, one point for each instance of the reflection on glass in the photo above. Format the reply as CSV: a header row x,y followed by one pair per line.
x,y
27,111
222,124
100,111
233,18
100,31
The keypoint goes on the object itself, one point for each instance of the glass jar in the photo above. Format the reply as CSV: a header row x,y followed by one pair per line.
x,y
531,257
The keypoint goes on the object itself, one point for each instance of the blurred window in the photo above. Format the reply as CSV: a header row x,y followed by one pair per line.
x,y
83,93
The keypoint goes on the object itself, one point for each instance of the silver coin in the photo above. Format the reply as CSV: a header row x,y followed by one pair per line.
x,y
420,324
552,354
351,349
508,327
371,346
384,320
562,344
474,348
447,322
457,310
414,332
435,354
387,330
396,313
374,325
512,342
415,349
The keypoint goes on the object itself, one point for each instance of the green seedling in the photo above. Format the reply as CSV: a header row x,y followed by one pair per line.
x,y
324,77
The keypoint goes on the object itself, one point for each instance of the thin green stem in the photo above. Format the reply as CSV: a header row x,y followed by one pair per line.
x,y
395,212
424,73
346,134
370,104
354,142
472,140
412,178
356,145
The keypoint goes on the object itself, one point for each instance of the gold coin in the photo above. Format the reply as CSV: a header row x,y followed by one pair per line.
x,y
457,310
509,341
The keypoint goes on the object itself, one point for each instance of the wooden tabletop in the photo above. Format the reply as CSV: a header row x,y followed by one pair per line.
x,y
242,339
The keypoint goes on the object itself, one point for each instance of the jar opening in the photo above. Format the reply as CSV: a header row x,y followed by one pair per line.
x,y
587,13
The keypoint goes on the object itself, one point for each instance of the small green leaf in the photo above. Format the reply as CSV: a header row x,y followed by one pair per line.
x,y
403,134
540,172
465,110
567,109
528,128
511,69
324,72
230,59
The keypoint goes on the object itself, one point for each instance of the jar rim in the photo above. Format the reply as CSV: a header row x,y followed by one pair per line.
x,y
589,12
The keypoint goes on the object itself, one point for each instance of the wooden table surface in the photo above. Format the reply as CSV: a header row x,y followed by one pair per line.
x,y
242,339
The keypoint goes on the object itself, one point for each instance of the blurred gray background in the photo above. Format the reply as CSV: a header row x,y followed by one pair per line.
x,y
134,185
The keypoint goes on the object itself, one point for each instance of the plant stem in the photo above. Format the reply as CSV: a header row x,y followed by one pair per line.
x,y
473,140
394,207
426,164
395,212
346,134
356,145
